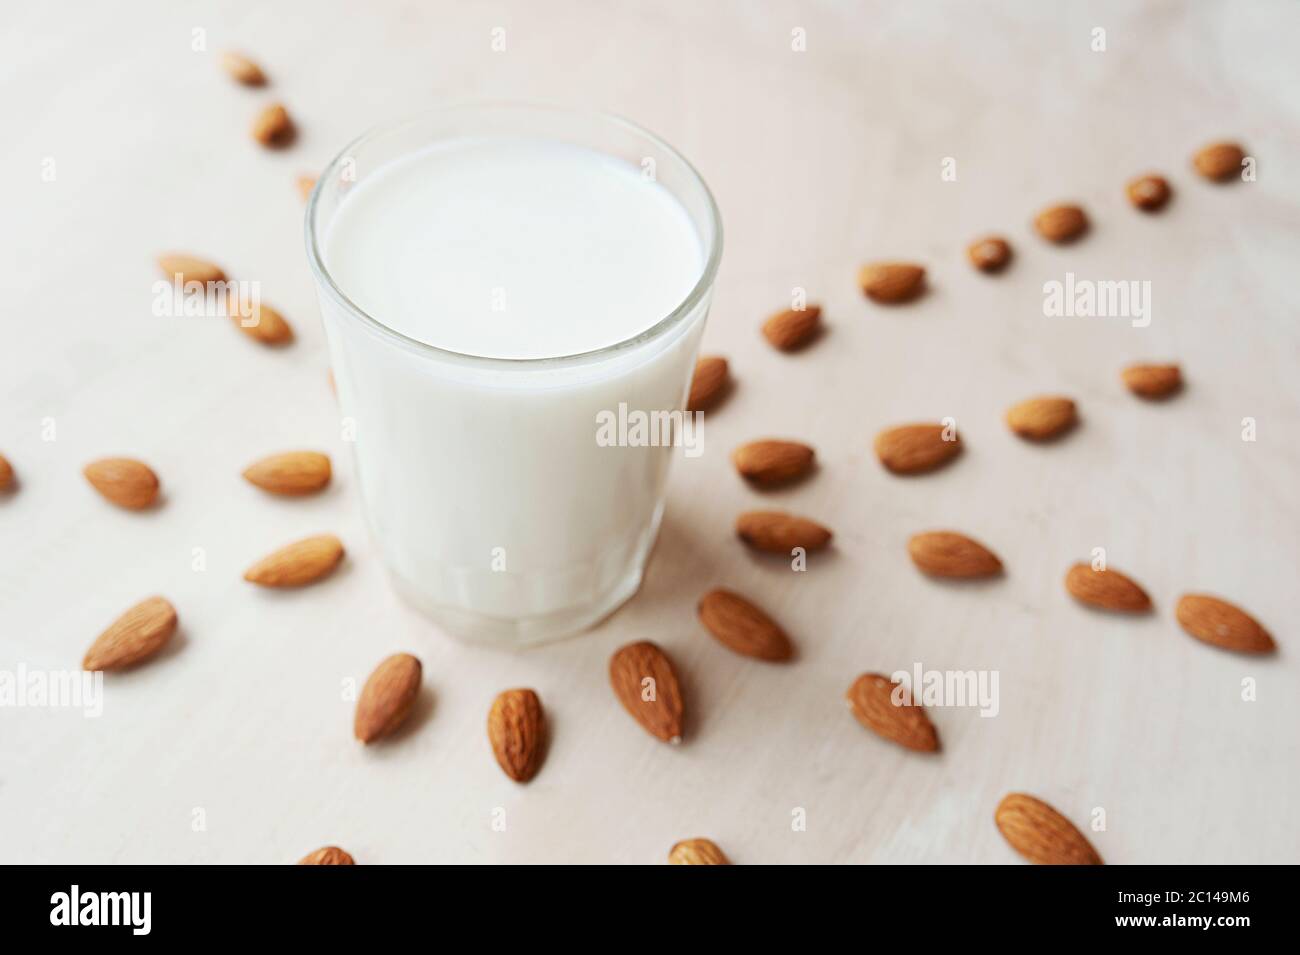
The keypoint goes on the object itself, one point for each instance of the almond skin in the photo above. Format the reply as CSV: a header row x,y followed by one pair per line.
x,y
125,482
515,726
989,254
133,637
242,70
292,474
891,283
1222,624
661,716
697,852
330,855
300,563
305,186
743,627
265,325
916,448
871,700
1041,834
773,462
273,128
189,268
780,533
1060,224
1153,381
1043,418
792,329
949,554
387,697
1219,162
6,473
708,384
1149,193
1106,589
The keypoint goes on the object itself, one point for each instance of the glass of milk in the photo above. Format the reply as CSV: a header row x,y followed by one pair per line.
x,y
501,285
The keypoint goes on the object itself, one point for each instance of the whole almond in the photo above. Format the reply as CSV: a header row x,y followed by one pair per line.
x,y
263,324
780,533
792,329
515,729
133,637
6,473
273,127
949,554
124,481
387,697
330,855
242,69
189,268
1063,223
302,562
1222,624
871,698
1153,381
708,384
1219,161
743,627
989,254
293,473
1041,834
1106,589
1042,418
305,186
916,448
891,282
697,852
646,684
773,462
1149,193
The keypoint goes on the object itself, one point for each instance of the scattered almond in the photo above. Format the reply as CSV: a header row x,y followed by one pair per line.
x,y
1063,223
697,852
305,186
189,268
646,684
1149,193
780,533
1222,624
949,554
264,324
891,282
793,328
302,562
1041,834
124,481
773,462
1042,418
293,473
387,697
989,254
916,448
273,128
133,637
1219,161
330,855
515,729
1153,381
743,627
871,698
1107,589
708,384
6,473
242,69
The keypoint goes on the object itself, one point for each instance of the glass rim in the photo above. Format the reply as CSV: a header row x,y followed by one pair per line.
x,y
325,280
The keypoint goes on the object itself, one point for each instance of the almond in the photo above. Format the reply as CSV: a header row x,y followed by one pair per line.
x,y
1219,161
871,698
242,69
387,697
302,562
1042,418
124,481
743,627
133,637
6,473
1107,589
989,254
273,128
1041,834
1063,223
793,328
916,448
305,186
773,462
780,533
646,684
1222,624
708,384
697,852
515,729
190,269
330,855
949,554
264,324
1153,381
891,282
293,473
1149,193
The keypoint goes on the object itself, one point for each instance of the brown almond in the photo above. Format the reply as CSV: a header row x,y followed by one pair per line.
x,y
6,473
1063,223
330,855
133,637
293,473
300,563
708,384
1042,418
242,69
916,448
1106,589
780,533
989,254
872,700
773,462
1041,834
1149,193
515,729
1219,161
793,328
743,627
273,127
189,268
1222,624
387,697
697,852
949,554
646,684
890,283
263,324
1153,381
124,481
305,186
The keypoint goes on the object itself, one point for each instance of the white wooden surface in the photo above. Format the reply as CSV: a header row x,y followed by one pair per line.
x,y
820,160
